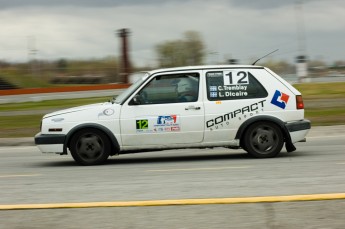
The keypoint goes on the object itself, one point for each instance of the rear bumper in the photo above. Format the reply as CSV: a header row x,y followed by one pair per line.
x,y
50,143
298,130
298,125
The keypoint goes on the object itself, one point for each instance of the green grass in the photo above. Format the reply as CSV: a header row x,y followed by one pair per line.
x,y
19,126
51,104
28,125
326,116
326,108
327,101
315,112
19,122
26,80
322,90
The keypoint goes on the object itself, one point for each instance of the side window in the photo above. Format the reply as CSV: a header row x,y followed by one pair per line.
x,y
173,88
233,84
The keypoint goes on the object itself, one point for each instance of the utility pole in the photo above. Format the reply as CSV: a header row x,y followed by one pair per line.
x,y
125,63
32,51
301,59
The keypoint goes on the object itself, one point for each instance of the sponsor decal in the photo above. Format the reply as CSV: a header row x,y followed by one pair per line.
x,y
167,123
161,123
280,99
239,114
175,128
166,119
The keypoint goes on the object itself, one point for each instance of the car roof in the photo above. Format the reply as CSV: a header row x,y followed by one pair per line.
x,y
203,67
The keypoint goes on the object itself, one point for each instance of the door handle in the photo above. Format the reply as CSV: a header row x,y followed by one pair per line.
x,y
192,108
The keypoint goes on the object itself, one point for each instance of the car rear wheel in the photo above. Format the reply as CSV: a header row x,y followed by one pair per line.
x,y
263,140
90,147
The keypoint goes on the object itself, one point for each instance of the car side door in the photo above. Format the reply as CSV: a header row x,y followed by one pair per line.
x,y
232,96
167,111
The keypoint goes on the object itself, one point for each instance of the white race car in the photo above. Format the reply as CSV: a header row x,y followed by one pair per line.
x,y
236,106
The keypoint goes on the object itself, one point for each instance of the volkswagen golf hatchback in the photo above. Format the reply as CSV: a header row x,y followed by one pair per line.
x,y
234,106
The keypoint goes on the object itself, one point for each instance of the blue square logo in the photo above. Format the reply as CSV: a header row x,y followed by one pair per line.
x,y
213,94
213,88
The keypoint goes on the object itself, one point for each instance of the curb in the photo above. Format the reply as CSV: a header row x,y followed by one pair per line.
x,y
146,203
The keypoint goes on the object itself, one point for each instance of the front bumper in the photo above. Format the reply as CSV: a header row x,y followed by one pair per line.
x,y
50,143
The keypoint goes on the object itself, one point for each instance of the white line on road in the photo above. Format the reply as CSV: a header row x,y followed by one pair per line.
x,y
198,169
326,136
6,148
19,175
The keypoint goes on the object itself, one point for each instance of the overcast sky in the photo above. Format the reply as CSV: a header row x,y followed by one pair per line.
x,y
241,29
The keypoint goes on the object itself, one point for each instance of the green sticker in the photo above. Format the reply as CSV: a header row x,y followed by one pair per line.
x,y
142,124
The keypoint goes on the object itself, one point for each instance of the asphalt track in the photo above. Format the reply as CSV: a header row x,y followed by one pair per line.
x,y
315,134
178,189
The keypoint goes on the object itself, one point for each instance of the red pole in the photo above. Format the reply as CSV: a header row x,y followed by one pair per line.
x,y
125,64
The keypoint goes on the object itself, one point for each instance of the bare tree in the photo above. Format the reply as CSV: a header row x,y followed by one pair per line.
x,y
188,51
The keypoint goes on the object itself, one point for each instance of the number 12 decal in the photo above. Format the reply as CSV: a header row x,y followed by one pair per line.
x,y
235,78
142,124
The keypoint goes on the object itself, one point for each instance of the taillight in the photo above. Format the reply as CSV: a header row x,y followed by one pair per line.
x,y
299,102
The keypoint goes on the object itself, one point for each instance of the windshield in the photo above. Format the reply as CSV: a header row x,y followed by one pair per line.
x,y
124,95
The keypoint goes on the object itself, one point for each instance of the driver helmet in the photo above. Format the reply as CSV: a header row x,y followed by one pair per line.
x,y
185,87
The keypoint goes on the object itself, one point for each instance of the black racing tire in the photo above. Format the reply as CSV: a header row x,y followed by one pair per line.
x,y
90,147
263,140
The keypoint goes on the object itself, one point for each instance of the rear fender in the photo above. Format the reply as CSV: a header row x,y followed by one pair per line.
x,y
287,138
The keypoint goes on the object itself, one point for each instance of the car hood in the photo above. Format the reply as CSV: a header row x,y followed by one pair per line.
x,y
95,106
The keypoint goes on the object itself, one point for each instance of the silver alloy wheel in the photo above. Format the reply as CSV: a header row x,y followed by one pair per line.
x,y
263,140
90,147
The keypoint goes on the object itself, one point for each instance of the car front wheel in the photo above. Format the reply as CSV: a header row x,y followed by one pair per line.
x,y
263,140
90,147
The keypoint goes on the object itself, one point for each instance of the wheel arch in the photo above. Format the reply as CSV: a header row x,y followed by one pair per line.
x,y
266,118
114,143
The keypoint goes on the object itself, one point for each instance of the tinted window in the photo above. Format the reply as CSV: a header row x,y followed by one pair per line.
x,y
174,88
233,84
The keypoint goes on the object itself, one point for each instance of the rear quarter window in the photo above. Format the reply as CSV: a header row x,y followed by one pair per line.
x,y
233,84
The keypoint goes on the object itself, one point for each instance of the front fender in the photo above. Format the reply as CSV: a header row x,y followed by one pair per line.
x,y
111,136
